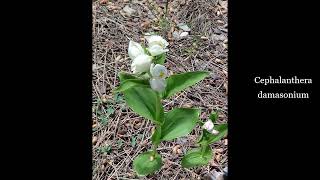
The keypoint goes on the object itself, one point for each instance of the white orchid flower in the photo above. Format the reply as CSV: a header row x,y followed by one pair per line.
x,y
156,50
155,39
141,64
158,73
157,45
158,84
209,127
134,50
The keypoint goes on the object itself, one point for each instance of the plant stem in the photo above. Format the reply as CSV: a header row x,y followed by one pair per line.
x,y
154,149
157,107
158,126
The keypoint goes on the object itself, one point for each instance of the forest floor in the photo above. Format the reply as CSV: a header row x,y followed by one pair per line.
x,y
119,134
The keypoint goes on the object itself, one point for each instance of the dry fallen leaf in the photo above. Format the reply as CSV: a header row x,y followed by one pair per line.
x,y
218,60
218,157
219,150
102,2
175,149
188,105
213,163
118,58
153,130
225,72
145,24
225,85
94,140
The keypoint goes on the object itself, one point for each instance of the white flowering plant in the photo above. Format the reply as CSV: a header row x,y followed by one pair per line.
x,y
210,134
146,87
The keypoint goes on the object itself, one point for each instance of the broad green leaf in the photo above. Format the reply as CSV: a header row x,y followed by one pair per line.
x,y
179,82
213,116
141,100
146,163
179,122
129,83
197,157
208,138
160,59
124,76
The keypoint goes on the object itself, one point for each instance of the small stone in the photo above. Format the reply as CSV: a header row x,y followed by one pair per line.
x,y
128,10
225,46
184,27
176,35
184,34
94,67
151,16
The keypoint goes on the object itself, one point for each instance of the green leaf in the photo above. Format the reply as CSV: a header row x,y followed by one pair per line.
x,y
160,59
197,157
208,138
127,84
213,116
124,76
146,163
141,100
179,82
179,122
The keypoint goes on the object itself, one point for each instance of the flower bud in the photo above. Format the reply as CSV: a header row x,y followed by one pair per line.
x,y
134,50
141,64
